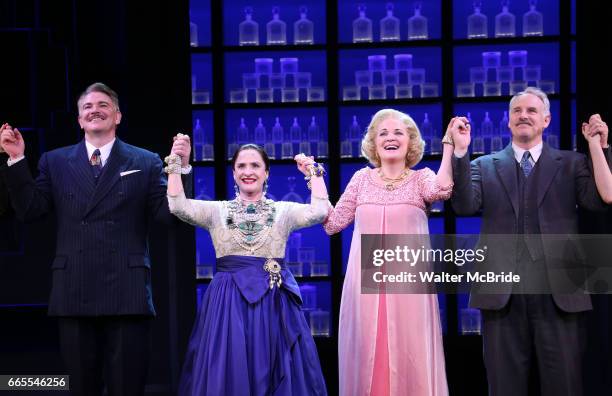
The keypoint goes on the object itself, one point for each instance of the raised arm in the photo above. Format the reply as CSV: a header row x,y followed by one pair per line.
x,y
596,134
343,213
456,125
307,215
195,212
466,198
30,199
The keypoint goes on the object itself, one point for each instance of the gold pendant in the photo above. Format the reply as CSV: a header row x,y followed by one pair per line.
x,y
390,187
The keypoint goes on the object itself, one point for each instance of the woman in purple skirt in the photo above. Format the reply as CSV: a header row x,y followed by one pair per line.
x,y
250,336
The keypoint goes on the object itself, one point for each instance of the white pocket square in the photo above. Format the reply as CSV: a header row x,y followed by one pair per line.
x,y
128,172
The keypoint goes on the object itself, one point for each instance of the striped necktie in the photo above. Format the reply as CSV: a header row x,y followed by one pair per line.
x,y
96,163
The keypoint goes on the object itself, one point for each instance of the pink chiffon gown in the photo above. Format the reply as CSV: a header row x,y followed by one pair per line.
x,y
387,344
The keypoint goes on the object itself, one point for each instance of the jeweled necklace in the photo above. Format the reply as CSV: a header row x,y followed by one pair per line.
x,y
250,223
391,182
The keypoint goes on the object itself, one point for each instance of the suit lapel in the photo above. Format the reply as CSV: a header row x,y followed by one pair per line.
x,y
117,162
80,169
549,164
505,165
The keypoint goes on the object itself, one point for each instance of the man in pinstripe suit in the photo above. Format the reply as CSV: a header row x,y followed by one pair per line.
x,y
4,201
103,192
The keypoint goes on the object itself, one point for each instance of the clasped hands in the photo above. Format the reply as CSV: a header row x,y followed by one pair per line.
x,y
304,163
595,131
181,146
458,134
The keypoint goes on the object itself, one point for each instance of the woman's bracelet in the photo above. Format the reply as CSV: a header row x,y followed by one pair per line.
x,y
448,139
174,164
315,170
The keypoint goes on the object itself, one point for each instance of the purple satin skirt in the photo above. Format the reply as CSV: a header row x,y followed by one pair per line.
x,y
249,339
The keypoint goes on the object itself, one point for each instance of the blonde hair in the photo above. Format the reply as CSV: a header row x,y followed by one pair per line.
x,y
416,145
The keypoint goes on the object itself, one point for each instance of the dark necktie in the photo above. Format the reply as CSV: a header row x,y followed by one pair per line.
x,y
96,164
526,163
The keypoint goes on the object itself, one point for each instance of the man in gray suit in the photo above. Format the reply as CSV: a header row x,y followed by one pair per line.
x,y
528,188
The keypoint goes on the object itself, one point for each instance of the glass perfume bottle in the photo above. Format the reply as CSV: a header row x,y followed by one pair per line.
x,y
322,146
477,139
277,29
355,136
277,131
426,133
486,127
362,27
505,23
193,33
260,133
504,129
533,21
390,26
248,30
314,136
270,146
198,140
496,141
303,29
295,131
313,130
436,145
207,150
346,146
417,25
355,129
242,133
287,146
477,23
305,146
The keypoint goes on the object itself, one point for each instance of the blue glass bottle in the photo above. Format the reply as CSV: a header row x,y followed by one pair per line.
x,y
277,29
477,23
390,26
417,25
303,29
362,27
505,24
248,30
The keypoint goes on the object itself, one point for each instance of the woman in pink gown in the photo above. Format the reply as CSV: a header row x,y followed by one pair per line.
x,y
391,344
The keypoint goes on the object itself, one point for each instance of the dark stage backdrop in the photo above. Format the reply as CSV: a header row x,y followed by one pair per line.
x,y
51,50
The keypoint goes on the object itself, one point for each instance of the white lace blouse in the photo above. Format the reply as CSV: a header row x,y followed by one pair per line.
x,y
212,216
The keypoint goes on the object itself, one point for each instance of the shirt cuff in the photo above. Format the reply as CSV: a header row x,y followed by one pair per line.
x,y
185,170
11,162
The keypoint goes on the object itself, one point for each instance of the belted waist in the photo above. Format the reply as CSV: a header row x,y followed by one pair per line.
x,y
253,280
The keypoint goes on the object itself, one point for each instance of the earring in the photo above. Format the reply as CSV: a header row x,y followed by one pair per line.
x,y
265,188
236,190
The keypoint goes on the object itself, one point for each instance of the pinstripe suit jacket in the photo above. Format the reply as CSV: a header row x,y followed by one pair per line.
x,y
102,264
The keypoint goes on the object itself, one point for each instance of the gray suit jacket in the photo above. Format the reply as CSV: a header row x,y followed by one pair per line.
x,y
490,185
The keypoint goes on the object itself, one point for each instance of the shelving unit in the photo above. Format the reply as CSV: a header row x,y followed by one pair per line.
x,y
339,58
